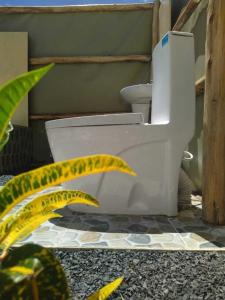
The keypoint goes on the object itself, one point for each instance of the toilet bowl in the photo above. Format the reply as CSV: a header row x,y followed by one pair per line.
x,y
139,96
153,150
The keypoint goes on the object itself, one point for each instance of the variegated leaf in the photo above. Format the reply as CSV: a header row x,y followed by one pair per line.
x,y
45,203
20,270
5,226
56,200
26,184
24,269
106,291
16,275
49,276
23,226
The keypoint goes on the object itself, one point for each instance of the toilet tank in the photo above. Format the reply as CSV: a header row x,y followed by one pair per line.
x,y
173,94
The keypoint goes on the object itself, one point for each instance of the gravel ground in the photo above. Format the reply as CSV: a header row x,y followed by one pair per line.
x,y
154,275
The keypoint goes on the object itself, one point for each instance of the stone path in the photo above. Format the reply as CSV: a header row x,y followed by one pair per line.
x,y
79,230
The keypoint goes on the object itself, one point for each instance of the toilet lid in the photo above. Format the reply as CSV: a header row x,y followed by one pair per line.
x,y
97,120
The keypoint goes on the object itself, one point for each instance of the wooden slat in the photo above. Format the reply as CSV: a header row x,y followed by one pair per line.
x,y
155,24
185,14
74,9
48,117
214,116
88,59
164,17
200,86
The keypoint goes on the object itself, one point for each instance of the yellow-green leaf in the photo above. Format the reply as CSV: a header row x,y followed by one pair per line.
x,y
17,275
48,274
106,291
23,226
56,200
45,203
21,270
13,92
24,269
5,226
26,184
5,136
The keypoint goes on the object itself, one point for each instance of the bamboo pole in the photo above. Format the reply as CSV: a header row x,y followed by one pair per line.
x,y
185,14
155,24
164,18
75,8
214,116
88,59
200,86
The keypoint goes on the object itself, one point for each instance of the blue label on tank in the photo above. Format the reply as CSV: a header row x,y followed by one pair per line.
x,y
165,40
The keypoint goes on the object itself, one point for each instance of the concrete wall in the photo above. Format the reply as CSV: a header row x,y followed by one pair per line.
x,y
82,88
13,62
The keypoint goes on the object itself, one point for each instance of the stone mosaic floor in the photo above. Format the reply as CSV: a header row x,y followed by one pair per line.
x,y
78,230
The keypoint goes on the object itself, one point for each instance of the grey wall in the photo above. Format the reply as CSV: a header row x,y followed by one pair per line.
x,y
12,64
82,88
79,88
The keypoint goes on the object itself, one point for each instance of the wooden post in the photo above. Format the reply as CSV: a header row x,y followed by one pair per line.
x,y
185,14
88,59
164,18
214,117
73,8
155,24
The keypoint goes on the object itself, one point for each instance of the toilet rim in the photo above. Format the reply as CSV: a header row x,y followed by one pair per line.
x,y
97,120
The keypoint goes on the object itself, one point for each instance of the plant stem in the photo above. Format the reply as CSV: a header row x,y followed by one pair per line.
x,y
3,255
34,288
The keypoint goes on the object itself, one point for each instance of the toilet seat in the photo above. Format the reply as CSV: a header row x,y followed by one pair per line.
x,y
98,120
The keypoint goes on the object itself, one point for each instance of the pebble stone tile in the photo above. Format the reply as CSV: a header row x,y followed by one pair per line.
x,y
187,231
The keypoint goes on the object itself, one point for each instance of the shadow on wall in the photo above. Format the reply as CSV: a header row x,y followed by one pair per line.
x,y
177,6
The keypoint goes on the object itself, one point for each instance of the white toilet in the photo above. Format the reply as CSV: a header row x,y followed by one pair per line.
x,y
139,96
153,150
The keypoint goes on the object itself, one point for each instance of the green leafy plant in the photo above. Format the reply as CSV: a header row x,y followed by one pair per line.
x,y
31,271
5,136
11,94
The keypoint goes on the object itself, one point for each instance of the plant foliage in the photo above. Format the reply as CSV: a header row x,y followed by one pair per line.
x,y
31,271
26,184
5,136
11,94
106,291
